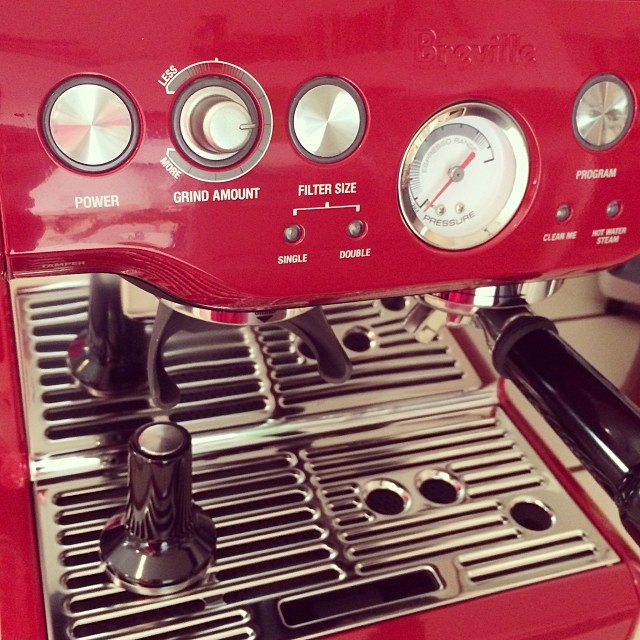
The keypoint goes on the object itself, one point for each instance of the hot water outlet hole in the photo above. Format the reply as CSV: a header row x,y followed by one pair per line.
x,y
533,515
440,487
386,497
357,340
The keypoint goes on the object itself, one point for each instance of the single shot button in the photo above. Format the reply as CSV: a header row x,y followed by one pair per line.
x,y
293,233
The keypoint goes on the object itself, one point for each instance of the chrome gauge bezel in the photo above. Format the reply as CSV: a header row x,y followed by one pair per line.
x,y
495,116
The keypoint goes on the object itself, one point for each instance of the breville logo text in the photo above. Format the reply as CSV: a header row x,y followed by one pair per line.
x,y
497,49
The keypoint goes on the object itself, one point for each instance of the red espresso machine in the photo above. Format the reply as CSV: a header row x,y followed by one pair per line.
x,y
230,236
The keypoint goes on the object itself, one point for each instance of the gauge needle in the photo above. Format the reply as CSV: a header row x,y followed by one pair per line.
x,y
452,173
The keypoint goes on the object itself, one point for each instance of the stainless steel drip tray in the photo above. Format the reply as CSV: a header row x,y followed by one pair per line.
x,y
324,530
228,376
405,489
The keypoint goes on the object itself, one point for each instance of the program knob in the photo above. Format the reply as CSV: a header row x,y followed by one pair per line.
x,y
216,122
603,112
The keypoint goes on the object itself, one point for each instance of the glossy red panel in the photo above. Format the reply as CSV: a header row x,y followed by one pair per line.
x,y
21,609
221,243
407,60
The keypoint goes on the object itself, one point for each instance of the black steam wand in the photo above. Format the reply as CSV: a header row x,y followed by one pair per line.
x,y
108,358
598,423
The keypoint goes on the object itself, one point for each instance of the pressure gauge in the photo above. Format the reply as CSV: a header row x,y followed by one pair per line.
x,y
463,176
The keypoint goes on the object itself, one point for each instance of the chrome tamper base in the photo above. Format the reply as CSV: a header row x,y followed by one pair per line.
x,y
163,542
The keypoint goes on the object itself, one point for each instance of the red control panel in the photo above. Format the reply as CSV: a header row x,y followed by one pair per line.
x,y
264,157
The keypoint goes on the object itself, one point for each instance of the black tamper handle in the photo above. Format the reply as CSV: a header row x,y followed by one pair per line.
x,y
109,357
163,542
598,423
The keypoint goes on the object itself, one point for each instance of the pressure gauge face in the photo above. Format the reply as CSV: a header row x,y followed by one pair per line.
x,y
463,176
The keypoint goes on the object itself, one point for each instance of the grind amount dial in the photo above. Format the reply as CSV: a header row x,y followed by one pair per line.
x,y
463,176
216,122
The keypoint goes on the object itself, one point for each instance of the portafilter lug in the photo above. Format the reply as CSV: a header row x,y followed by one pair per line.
x,y
425,323
163,542
457,308
315,331
309,324
108,357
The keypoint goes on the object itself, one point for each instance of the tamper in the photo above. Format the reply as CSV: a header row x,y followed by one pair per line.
x,y
163,542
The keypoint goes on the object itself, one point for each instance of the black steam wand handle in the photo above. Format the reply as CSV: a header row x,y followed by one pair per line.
x,y
108,358
598,423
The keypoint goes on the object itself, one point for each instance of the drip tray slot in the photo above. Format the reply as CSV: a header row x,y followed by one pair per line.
x,y
366,598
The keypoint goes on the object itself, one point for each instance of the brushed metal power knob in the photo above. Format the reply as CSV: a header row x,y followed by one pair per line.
x,y
90,124
163,542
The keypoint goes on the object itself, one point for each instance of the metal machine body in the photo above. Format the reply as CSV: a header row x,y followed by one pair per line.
x,y
196,232
242,162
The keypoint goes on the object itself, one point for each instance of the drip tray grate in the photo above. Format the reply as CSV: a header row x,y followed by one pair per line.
x,y
404,489
301,551
228,376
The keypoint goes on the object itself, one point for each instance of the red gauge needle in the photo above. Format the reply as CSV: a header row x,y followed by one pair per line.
x,y
451,180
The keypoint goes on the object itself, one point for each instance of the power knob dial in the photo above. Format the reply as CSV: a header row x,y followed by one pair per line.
x,y
216,122
90,124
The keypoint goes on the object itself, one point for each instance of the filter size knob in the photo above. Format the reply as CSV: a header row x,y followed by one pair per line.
x,y
327,119
163,542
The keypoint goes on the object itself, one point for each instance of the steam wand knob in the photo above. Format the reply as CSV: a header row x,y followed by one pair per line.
x,y
163,542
